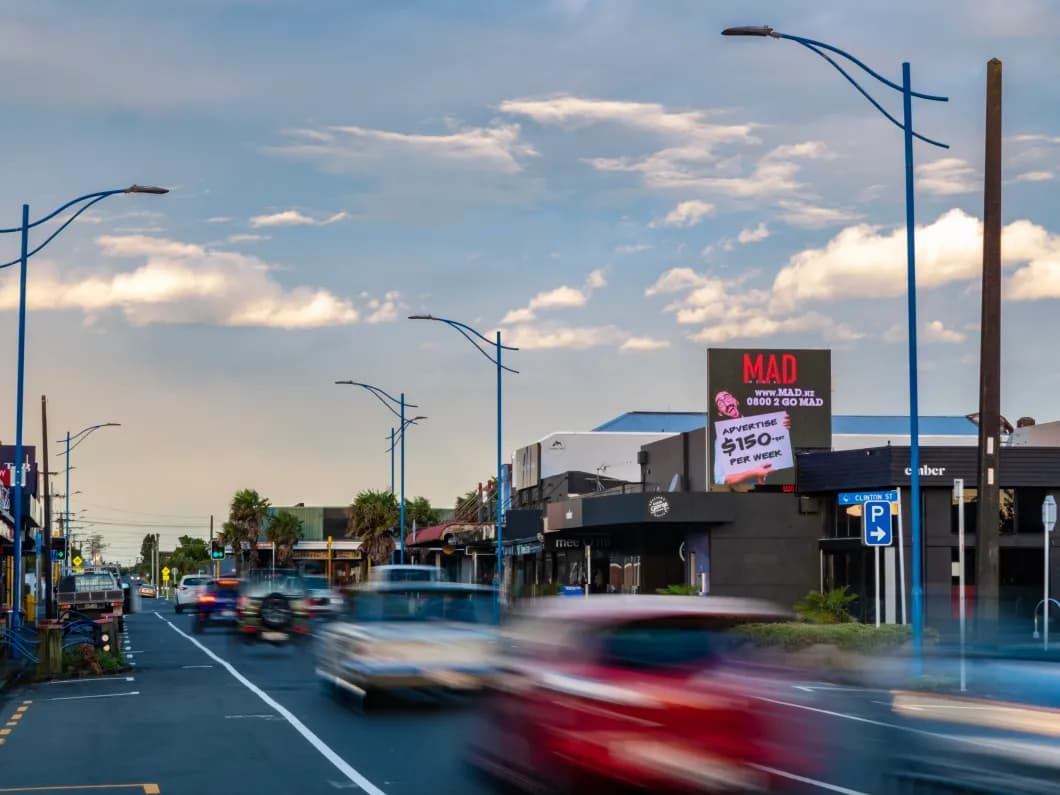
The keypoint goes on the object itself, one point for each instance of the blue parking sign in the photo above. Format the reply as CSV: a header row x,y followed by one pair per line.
x,y
876,524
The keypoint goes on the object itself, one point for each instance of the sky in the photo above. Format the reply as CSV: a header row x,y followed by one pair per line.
x,y
611,184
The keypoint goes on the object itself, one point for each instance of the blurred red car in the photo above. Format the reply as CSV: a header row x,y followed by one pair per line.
x,y
635,692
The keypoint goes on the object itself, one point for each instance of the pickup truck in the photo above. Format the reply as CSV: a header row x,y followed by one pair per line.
x,y
92,594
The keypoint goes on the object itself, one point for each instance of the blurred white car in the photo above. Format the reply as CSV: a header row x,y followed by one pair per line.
x,y
191,587
408,573
322,599
410,635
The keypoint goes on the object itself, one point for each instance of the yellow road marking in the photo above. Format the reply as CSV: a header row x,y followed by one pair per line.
x,y
23,708
12,723
17,716
5,732
27,701
148,789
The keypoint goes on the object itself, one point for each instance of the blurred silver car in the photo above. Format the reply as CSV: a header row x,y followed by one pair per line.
x,y
410,635
322,600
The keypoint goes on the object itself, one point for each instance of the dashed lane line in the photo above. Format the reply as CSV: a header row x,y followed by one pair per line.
x,y
325,750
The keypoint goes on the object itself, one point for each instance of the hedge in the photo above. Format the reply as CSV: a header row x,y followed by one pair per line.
x,y
861,638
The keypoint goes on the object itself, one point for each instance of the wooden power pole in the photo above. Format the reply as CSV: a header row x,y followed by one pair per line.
x,y
989,504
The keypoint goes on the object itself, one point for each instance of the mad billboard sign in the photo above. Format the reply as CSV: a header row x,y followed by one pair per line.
x,y
764,406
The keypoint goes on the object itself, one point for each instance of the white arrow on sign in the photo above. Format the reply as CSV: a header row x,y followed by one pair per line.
x,y
878,534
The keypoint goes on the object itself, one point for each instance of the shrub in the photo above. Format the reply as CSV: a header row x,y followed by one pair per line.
x,y
86,660
678,590
860,638
830,607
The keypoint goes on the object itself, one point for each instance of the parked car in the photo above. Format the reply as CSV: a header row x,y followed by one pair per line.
x,y
273,606
148,590
410,635
217,605
190,588
323,600
633,692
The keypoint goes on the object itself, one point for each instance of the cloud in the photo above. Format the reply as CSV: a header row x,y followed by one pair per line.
x,y
385,310
347,148
755,235
219,219
643,344
295,218
808,216
687,213
632,248
932,331
865,260
553,336
563,297
947,176
762,324
1035,138
245,238
185,283
1034,176
573,112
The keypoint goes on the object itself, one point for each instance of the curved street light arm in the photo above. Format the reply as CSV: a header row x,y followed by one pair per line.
x,y
478,348
864,93
54,234
95,197
84,433
812,43
458,324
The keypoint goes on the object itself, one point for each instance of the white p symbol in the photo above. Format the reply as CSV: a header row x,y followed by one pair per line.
x,y
876,512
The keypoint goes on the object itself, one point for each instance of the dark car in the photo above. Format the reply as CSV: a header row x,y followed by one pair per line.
x,y
273,606
217,605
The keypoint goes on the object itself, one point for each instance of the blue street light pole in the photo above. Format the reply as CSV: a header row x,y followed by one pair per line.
x,y
76,439
470,335
383,397
89,200
394,444
906,126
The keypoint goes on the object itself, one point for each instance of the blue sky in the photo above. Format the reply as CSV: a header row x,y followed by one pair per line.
x,y
612,184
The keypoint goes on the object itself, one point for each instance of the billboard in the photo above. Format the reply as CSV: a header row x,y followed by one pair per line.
x,y
526,469
765,404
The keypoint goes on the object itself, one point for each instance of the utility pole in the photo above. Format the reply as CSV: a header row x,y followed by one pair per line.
x,y
46,562
989,503
216,563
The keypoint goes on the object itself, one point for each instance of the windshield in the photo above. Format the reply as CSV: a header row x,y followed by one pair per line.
x,y
316,582
423,605
288,583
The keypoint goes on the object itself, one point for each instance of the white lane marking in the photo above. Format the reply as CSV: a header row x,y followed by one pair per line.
x,y
187,667
97,695
90,679
811,688
341,764
811,781
260,717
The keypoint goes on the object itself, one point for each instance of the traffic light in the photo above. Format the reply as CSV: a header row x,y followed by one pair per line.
x,y
101,635
217,550
58,548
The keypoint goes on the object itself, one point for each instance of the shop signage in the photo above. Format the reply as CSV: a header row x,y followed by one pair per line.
x,y
928,471
322,554
658,507
578,542
765,405
531,548
5,499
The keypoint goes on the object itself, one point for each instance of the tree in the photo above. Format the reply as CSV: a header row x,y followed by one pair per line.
x,y
147,547
284,530
419,510
246,515
373,517
190,555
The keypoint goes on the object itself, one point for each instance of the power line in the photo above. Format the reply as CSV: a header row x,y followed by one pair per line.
x,y
146,513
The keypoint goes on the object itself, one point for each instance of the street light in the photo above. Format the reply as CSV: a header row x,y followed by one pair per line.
x,y
86,201
470,335
76,438
906,125
393,444
390,401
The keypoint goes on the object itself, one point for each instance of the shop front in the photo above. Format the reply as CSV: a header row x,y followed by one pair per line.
x,y
1026,475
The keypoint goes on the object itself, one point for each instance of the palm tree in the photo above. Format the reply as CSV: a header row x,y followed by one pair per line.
x,y
373,517
284,530
419,510
246,515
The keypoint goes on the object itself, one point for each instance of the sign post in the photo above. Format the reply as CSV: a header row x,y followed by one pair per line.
x,y
876,533
1049,521
901,554
958,494
588,566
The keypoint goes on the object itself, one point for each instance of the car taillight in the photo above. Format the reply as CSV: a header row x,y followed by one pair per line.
x,y
115,604
65,607
208,598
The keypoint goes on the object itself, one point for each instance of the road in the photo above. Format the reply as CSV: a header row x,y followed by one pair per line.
x,y
206,713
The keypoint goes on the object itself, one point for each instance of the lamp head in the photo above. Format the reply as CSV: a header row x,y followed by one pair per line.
x,y
751,30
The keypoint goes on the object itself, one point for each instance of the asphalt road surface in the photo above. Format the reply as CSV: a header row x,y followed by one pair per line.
x,y
206,713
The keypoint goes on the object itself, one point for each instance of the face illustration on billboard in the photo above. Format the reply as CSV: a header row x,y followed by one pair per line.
x,y
764,406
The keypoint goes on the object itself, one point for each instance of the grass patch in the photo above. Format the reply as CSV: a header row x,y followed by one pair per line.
x,y
678,590
859,638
